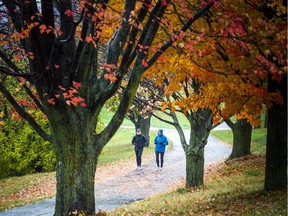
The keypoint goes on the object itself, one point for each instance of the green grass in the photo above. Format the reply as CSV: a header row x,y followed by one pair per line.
x,y
106,116
234,189
258,140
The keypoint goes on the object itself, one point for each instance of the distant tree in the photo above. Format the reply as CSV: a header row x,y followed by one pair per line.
x,y
242,133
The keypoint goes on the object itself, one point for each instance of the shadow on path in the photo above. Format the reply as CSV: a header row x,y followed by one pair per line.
x,y
130,185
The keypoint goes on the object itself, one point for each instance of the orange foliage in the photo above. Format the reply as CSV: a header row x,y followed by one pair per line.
x,y
224,65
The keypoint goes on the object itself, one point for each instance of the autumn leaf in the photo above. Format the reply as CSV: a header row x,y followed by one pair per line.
x,y
144,63
77,100
76,85
164,3
18,57
69,13
51,101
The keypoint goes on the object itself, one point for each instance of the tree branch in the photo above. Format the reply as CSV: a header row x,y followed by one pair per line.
x,y
163,120
145,31
21,111
15,74
169,43
229,123
125,102
142,14
32,96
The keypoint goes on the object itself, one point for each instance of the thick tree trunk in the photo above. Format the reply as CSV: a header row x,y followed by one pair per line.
x,y
242,132
201,123
195,169
76,163
276,150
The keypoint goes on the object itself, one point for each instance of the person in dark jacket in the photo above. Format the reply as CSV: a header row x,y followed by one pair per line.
x,y
160,144
139,141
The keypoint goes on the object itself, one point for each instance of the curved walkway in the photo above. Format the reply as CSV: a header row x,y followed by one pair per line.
x,y
124,184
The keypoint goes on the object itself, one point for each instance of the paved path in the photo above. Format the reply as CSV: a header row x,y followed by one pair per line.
x,y
130,184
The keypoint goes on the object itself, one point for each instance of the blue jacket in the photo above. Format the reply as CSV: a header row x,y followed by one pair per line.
x,y
160,142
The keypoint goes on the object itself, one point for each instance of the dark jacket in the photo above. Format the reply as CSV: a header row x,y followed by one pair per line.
x,y
139,141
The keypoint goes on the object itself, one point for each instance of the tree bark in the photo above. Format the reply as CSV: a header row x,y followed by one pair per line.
x,y
200,124
76,155
144,125
200,129
195,169
242,133
276,149
266,119
142,121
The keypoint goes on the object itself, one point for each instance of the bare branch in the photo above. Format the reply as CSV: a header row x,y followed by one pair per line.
x,y
163,120
16,74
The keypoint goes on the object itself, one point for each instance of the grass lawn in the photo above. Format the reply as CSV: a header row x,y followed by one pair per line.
x,y
258,140
106,116
235,188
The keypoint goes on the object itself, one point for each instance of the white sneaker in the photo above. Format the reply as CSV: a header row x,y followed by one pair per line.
x,y
160,168
139,168
157,169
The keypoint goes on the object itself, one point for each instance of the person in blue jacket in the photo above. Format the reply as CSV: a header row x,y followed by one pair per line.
x,y
160,144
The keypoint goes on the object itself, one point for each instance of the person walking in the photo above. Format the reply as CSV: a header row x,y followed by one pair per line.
x,y
139,141
160,144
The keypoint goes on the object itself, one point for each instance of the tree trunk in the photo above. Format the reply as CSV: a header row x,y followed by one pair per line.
x,y
76,163
194,169
242,132
144,124
201,123
276,150
266,119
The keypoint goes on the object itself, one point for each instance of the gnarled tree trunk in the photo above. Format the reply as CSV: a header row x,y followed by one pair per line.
x,y
77,154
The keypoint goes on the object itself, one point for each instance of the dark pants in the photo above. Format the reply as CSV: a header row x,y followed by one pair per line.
x,y
138,153
161,158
